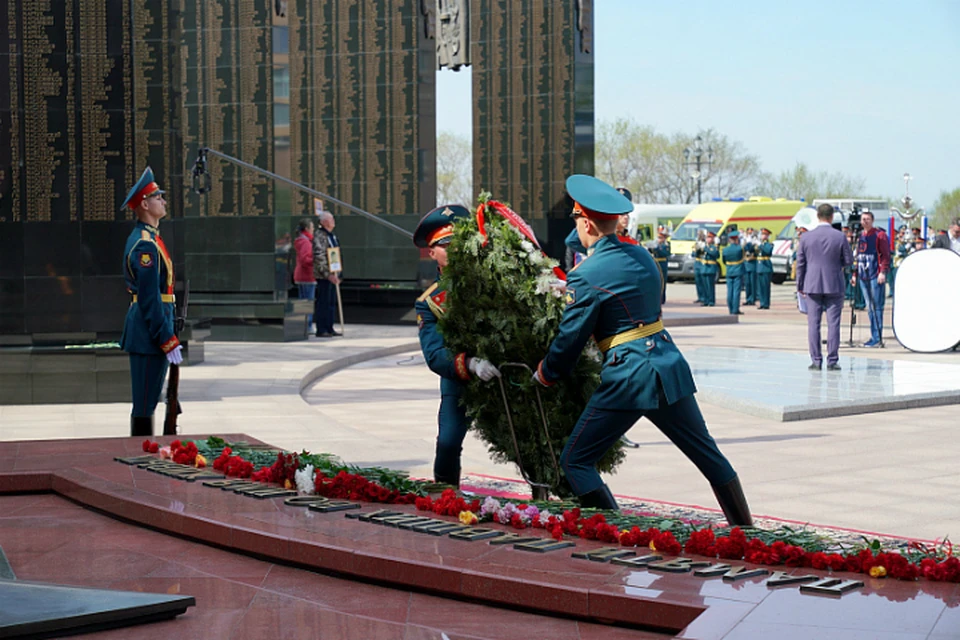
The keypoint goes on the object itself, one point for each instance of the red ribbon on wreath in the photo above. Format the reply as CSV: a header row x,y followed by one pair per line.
x,y
517,223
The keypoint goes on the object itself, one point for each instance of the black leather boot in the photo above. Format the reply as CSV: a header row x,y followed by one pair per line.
x,y
599,498
734,503
141,426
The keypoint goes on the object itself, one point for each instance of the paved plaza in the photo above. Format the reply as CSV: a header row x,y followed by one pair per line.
x,y
369,398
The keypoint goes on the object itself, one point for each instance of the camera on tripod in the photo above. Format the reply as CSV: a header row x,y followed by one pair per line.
x,y
853,219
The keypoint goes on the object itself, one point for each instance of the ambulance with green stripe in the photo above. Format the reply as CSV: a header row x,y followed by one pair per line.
x,y
721,217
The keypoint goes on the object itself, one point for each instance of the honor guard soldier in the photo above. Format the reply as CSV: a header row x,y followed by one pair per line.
x,y
614,296
733,258
434,233
661,252
148,331
711,270
764,268
750,266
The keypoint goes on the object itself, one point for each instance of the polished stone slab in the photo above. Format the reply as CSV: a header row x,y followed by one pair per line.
x,y
552,585
779,386
32,609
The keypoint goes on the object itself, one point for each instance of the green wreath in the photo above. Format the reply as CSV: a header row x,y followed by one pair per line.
x,y
500,307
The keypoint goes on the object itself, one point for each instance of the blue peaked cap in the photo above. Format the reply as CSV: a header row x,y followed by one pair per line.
x,y
597,196
145,186
433,228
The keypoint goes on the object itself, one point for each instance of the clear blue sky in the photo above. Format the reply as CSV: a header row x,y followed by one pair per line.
x,y
867,88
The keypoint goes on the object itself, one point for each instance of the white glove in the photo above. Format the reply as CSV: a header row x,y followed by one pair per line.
x,y
174,356
538,379
558,285
482,369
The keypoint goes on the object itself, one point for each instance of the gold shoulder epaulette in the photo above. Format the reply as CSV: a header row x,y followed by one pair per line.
x,y
145,235
428,292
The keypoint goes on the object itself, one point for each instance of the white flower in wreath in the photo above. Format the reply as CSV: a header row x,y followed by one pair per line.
x,y
527,246
304,479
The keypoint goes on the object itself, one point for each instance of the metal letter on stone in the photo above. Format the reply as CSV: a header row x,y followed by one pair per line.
x,y
782,578
834,587
606,554
512,538
472,534
543,545
741,572
678,565
639,561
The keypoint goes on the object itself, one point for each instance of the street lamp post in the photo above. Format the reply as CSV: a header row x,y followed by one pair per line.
x,y
697,163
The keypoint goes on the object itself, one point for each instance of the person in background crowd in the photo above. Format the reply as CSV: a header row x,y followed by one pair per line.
x,y
661,252
821,257
764,269
303,273
699,249
148,329
873,265
711,270
325,305
750,246
733,259
949,240
903,249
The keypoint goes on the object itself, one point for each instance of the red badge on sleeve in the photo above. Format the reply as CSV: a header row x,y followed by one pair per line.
x,y
146,260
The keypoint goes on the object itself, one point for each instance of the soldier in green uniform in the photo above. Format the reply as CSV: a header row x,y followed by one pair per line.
x,y
614,296
148,329
764,268
434,233
698,250
711,269
749,266
661,252
733,258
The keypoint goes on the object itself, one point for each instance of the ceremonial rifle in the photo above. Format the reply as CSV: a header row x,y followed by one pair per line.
x,y
173,383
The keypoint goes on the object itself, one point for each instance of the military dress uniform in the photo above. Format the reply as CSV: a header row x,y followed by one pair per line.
x,y
764,271
711,270
661,253
733,259
614,296
749,271
437,228
148,330
698,274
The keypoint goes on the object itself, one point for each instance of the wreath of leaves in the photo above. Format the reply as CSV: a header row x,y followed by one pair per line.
x,y
500,307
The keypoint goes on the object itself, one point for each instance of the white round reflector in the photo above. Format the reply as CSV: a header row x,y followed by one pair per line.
x,y
926,302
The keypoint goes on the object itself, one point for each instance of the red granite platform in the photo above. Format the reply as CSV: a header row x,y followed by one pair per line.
x,y
575,595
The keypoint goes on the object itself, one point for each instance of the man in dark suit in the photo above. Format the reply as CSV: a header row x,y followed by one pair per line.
x,y
821,257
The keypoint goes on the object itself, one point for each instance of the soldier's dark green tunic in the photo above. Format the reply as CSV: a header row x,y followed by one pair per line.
x,y
661,253
617,290
733,259
711,270
453,371
764,273
749,272
148,330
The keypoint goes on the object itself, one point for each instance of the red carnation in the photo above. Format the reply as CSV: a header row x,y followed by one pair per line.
x,y
154,447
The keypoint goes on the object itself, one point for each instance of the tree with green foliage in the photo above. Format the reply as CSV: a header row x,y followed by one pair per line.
x,y
501,307
945,209
454,169
802,182
653,166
